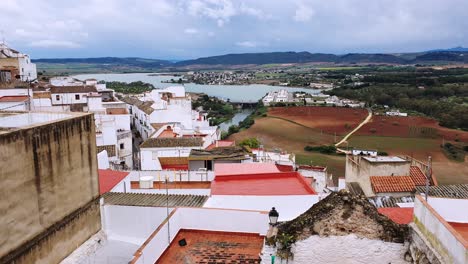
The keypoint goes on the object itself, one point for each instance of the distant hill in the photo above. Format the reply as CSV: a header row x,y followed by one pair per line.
x,y
113,64
261,58
139,62
371,58
459,48
442,56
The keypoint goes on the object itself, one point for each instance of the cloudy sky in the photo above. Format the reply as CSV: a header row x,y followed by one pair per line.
x,y
177,29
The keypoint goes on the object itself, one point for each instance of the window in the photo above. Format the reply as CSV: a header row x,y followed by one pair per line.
x,y
57,97
122,145
77,97
154,155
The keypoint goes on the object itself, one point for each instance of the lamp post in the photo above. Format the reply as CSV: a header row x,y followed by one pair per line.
x,y
273,215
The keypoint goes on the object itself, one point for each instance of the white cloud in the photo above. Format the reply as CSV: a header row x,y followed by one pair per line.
x,y
303,13
51,43
191,31
251,44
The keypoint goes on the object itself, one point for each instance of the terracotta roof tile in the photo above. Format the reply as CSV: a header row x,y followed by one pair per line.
x,y
419,178
398,215
390,184
172,142
144,106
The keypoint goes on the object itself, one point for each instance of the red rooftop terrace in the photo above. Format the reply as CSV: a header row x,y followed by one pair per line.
x,y
278,183
206,247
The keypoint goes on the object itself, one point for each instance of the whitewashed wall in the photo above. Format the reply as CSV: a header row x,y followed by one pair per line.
x,y
288,206
439,234
132,224
341,249
69,98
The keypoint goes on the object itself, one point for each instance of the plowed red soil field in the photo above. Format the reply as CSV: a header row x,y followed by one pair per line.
x,y
329,120
411,126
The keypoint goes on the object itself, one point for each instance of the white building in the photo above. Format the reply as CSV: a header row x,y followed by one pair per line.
x,y
14,63
75,96
395,113
281,96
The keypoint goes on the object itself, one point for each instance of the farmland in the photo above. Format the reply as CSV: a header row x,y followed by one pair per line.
x,y
326,119
411,126
293,128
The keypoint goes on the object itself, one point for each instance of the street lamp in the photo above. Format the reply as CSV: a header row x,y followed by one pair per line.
x,y
273,215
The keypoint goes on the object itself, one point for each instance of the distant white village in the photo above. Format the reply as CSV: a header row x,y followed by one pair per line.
x,y
91,178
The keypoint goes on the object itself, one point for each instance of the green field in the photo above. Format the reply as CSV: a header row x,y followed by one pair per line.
x,y
395,144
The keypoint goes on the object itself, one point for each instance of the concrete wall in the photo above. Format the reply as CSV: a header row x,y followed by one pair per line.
x,y
48,172
440,236
131,224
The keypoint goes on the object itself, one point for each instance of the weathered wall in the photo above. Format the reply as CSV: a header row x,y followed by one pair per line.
x,y
61,239
437,234
341,249
359,170
47,173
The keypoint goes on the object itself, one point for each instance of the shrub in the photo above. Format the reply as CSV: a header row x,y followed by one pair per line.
x,y
322,149
250,142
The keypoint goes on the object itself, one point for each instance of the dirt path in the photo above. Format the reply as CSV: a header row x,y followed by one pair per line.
x,y
365,121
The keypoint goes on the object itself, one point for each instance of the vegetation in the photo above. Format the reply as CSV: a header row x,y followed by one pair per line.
x,y
250,142
330,149
218,111
441,94
130,88
454,152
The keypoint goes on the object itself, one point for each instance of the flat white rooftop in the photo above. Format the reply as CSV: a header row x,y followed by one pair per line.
x,y
384,159
18,120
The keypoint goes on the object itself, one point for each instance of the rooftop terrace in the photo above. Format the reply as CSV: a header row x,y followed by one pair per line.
x,y
21,119
213,247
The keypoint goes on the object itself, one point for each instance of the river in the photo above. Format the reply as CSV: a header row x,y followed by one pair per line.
x,y
236,119
235,93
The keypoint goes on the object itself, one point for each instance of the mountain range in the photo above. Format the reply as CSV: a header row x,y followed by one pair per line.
x,y
458,55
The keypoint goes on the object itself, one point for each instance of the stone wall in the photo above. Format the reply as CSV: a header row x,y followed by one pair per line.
x,y
48,172
59,240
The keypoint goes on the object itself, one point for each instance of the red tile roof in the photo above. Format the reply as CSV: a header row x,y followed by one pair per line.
x,y
221,143
244,168
109,178
279,183
419,178
13,98
390,184
397,214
